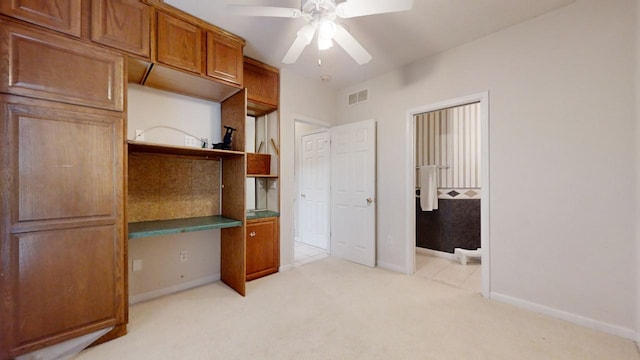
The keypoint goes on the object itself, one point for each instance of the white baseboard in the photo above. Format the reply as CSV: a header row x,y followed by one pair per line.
x,y
392,267
436,253
285,267
570,317
173,289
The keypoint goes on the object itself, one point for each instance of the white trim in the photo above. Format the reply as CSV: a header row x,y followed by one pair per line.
x,y
134,299
285,267
436,253
410,216
567,316
310,120
392,267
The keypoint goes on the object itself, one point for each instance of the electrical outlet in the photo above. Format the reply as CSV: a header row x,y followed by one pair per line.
x,y
139,135
190,141
137,265
183,256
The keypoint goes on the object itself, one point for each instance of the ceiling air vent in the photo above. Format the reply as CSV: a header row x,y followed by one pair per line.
x,y
359,96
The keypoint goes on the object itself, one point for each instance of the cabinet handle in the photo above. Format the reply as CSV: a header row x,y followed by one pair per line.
x,y
252,234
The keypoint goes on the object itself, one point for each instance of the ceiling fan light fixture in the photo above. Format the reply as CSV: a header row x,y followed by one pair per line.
x,y
320,16
324,43
327,28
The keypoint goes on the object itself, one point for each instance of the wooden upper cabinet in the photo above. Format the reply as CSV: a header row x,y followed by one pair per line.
x,y
49,66
262,83
178,43
60,15
224,58
121,24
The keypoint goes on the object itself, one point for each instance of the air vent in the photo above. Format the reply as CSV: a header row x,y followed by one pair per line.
x,y
359,96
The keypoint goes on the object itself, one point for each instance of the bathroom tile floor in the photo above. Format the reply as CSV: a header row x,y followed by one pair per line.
x,y
304,254
450,272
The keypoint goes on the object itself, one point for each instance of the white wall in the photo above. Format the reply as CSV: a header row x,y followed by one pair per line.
x,y
162,270
303,99
561,153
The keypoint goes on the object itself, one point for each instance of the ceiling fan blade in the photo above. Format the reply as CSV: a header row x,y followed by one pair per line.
x,y
351,45
303,38
247,10
355,8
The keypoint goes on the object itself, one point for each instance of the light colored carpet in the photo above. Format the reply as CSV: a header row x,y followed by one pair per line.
x,y
333,309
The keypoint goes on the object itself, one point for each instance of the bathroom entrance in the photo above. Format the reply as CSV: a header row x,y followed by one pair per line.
x,y
450,192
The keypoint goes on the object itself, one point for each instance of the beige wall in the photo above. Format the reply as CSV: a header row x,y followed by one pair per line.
x,y
162,272
562,135
148,107
637,42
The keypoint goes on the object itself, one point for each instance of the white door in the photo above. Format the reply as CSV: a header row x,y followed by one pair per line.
x,y
314,190
353,184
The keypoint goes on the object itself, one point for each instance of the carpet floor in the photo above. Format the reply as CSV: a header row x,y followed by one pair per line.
x,y
334,309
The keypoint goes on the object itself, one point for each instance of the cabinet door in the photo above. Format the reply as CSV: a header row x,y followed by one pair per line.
x,y
122,24
53,67
224,58
60,15
179,43
61,231
261,82
262,247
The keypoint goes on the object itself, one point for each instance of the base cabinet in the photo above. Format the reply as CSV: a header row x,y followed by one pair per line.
x,y
263,247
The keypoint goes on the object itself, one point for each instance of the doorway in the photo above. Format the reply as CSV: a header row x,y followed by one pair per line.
x,y
335,176
412,181
311,201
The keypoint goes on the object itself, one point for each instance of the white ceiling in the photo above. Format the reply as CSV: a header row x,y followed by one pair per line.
x,y
393,40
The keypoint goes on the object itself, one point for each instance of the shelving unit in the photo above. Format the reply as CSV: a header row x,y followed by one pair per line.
x,y
152,148
176,189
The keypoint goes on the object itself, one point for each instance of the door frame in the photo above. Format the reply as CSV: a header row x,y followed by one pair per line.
x,y
410,214
299,186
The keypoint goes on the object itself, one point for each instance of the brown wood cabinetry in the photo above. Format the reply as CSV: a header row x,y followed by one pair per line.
x,y
61,232
262,82
60,15
224,58
263,247
178,43
121,24
40,64
191,57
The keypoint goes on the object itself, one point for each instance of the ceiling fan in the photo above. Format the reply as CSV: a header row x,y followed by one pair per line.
x,y
321,16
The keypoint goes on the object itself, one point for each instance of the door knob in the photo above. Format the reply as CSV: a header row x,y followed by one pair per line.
x,y
369,201
303,195
252,234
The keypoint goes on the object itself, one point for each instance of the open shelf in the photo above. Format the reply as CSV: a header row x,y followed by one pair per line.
x,y
152,148
175,226
262,176
260,214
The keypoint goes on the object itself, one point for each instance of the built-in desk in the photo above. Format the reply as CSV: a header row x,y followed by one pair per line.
x,y
175,226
